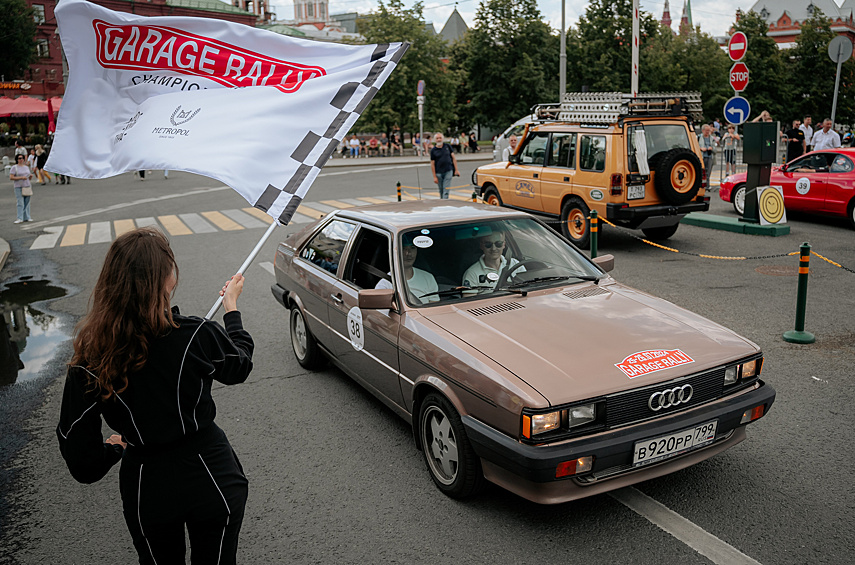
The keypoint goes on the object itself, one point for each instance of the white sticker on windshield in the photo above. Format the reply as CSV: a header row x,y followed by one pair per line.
x,y
355,329
492,276
422,241
803,185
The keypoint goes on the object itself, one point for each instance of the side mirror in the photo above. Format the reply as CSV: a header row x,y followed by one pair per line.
x,y
377,299
513,159
605,262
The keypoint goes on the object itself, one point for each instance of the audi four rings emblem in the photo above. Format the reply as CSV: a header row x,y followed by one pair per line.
x,y
670,397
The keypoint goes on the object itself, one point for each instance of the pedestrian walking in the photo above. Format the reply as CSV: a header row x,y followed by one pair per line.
x,y
707,143
41,159
20,149
31,160
795,139
148,371
20,176
443,165
826,138
808,131
729,142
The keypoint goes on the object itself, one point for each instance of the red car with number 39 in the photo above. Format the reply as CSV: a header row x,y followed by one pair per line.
x,y
819,182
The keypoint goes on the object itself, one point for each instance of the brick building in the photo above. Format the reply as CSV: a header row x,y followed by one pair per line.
x,y
785,16
44,78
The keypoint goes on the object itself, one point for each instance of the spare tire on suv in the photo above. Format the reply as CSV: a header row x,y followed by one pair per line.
x,y
678,176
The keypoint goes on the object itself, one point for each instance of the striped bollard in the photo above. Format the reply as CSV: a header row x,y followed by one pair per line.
x,y
399,191
594,225
799,335
474,196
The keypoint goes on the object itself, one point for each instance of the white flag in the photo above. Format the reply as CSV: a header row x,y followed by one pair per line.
x,y
256,110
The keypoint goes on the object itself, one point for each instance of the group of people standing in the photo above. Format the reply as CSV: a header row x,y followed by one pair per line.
x,y
389,145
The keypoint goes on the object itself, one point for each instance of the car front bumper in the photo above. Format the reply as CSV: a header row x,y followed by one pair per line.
x,y
529,470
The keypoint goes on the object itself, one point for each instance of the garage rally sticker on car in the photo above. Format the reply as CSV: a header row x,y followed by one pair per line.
x,y
646,362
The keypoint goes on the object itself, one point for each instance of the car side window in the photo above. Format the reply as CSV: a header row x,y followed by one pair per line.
x,y
592,153
841,164
563,150
325,249
534,152
368,261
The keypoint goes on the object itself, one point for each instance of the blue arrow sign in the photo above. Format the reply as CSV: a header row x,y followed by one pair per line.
x,y
736,110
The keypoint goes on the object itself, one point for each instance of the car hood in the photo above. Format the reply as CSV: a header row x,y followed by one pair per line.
x,y
586,340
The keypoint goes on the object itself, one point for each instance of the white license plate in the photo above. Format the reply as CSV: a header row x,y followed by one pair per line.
x,y
635,192
658,448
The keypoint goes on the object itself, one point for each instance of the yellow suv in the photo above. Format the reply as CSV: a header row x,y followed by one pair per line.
x,y
636,161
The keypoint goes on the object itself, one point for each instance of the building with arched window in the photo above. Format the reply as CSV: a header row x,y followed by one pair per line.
x,y
784,17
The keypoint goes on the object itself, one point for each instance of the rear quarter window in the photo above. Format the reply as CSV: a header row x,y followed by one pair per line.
x,y
592,153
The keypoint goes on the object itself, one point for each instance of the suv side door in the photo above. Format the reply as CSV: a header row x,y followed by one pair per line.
x,y
523,189
591,173
558,175
366,341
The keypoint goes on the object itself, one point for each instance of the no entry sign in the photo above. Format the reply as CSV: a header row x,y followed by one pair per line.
x,y
738,77
737,46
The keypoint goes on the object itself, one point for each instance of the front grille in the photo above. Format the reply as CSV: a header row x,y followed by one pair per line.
x,y
630,407
503,307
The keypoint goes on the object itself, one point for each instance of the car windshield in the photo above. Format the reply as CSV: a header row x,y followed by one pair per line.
x,y
660,138
466,261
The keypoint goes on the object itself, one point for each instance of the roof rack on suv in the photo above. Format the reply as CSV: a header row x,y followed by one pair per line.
x,y
609,107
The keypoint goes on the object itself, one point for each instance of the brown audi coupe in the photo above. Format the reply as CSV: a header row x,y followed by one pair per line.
x,y
516,359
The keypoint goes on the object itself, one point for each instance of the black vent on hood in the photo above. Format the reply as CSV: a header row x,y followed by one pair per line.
x,y
586,293
503,307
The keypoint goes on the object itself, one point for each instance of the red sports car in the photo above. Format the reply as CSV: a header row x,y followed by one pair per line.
x,y
821,182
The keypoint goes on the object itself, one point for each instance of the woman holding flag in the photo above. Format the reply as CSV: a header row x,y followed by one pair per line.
x,y
148,371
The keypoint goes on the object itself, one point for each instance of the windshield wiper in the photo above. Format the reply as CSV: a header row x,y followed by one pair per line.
x,y
592,278
456,290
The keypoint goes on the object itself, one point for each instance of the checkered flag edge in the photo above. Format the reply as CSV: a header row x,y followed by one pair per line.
x,y
315,149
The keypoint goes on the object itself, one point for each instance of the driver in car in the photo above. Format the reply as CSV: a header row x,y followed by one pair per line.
x,y
419,282
486,270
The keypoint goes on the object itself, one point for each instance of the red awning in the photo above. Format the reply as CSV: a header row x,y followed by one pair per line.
x,y
4,104
25,106
56,102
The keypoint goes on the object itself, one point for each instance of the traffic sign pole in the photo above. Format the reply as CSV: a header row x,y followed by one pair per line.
x,y
420,100
839,49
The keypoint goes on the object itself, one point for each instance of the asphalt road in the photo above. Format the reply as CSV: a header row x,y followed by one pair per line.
x,y
334,475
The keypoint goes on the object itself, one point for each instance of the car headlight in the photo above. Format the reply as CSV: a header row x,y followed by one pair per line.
x,y
743,371
567,420
475,177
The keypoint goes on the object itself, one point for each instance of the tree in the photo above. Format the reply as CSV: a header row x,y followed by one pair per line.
x,y
395,103
809,59
509,61
770,86
17,38
599,48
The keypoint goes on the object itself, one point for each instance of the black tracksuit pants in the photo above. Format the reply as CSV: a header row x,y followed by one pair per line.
x,y
199,483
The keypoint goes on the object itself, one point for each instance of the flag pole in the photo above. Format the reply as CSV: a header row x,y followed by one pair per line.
x,y
245,265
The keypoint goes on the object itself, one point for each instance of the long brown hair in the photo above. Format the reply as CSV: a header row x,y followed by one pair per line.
x,y
129,307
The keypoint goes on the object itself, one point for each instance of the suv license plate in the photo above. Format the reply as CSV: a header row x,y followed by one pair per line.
x,y
635,192
658,448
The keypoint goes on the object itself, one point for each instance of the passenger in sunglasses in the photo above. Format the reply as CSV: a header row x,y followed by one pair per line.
x,y
486,270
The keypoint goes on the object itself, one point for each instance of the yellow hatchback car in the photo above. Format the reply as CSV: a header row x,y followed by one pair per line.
x,y
636,161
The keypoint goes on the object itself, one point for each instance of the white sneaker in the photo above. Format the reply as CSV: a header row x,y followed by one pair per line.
x,y
18,221
30,220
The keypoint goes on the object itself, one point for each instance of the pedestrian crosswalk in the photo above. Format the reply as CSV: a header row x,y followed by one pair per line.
x,y
213,221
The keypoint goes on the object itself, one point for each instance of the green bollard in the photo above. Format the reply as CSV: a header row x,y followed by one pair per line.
x,y
799,335
399,191
594,225
474,196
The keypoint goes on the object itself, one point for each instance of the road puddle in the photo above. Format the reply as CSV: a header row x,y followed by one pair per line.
x,y
30,336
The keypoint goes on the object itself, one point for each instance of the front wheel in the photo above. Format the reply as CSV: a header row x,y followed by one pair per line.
x,y
661,232
303,343
451,461
738,199
491,197
574,223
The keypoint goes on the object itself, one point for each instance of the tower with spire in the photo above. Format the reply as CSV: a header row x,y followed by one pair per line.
x,y
686,25
666,16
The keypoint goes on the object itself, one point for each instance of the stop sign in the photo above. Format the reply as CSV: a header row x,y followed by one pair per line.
x,y
737,46
738,77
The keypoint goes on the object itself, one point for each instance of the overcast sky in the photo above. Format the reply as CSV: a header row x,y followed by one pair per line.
x,y
714,16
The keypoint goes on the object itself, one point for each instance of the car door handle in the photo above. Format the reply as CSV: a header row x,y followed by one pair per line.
x,y
566,179
535,175
336,298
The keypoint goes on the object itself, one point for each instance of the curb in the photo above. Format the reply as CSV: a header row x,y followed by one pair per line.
x,y
4,252
407,160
